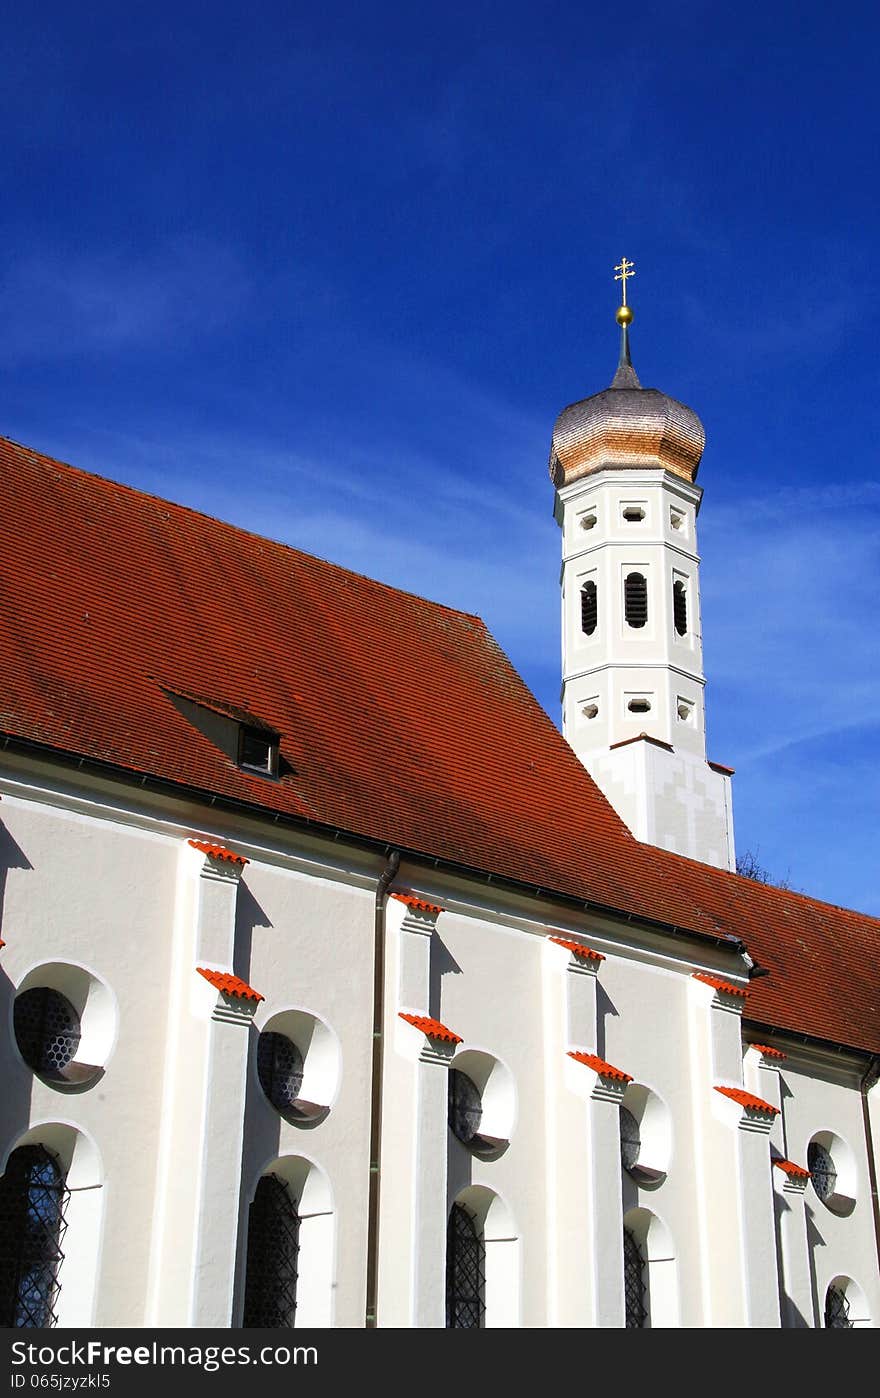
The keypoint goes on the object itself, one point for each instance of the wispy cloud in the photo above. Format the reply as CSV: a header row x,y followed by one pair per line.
x,y
56,306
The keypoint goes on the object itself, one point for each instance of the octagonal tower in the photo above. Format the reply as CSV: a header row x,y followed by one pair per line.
x,y
624,463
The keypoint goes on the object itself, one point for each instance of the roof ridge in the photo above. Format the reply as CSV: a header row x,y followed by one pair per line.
x,y
237,529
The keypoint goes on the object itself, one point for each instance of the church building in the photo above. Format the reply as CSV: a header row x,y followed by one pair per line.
x,y
340,989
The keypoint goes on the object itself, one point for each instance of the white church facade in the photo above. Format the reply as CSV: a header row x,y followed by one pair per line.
x,y
340,990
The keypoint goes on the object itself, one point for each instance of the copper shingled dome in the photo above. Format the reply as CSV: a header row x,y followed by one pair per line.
x,y
625,426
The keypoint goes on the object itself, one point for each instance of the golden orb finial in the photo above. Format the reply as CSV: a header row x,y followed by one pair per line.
x,y
624,315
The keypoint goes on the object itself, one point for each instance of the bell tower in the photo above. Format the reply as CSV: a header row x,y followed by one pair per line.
x,y
624,463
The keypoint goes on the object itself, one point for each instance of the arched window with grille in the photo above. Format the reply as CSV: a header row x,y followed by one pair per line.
x,y
589,608
633,1282
272,1257
33,1199
837,1310
465,1272
635,599
680,607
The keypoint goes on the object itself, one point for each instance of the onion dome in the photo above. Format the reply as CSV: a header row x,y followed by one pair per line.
x,y
625,426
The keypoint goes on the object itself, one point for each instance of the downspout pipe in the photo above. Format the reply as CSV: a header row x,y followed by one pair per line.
x,y
386,877
871,1074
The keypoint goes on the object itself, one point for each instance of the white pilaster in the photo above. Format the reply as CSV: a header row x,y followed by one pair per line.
x,y
569,990
413,1202
199,1172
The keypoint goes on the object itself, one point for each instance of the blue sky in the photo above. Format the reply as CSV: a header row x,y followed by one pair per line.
x,y
330,272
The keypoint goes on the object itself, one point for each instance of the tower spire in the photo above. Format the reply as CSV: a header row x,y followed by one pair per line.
x,y
626,376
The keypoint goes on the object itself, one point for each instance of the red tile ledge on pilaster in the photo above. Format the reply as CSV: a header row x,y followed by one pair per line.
x,y
768,1051
432,1028
795,1172
412,900
229,984
218,852
747,1100
598,1065
578,949
718,984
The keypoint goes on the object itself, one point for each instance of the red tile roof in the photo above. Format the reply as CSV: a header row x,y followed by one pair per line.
x,y
598,1065
796,1172
109,595
718,984
578,949
746,1099
413,900
218,852
768,1051
229,984
432,1028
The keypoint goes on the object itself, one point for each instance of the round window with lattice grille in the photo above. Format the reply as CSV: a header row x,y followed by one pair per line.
x,y
630,1139
280,1069
47,1031
821,1166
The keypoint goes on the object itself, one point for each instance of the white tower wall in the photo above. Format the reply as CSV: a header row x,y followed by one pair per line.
x,y
632,697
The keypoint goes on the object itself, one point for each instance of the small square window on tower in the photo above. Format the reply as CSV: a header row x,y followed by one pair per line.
x,y
258,751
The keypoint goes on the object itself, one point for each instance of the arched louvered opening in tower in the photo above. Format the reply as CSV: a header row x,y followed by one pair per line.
x,y
589,608
635,599
33,1199
680,608
465,1272
272,1257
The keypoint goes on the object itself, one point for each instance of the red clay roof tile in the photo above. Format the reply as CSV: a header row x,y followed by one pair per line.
x,y
229,984
746,1099
110,594
578,949
432,1028
768,1051
796,1172
598,1065
413,900
717,983
218,852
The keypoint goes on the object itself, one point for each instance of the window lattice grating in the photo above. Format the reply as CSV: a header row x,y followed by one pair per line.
x,y
633,1282
280,1069
630,1139
33,1198
836,1310
821,1167
465,1106
465,1272
47,1030
272,1258
635,599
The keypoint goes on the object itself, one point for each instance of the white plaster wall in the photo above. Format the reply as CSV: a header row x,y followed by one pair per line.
x,y
816,1098
102,895
311,948
101,886
644,1013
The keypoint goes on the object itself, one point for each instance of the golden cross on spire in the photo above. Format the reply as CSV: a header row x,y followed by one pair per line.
x,y
624,269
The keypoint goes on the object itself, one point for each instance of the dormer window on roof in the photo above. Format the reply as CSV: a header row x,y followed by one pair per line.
x,y
258,751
